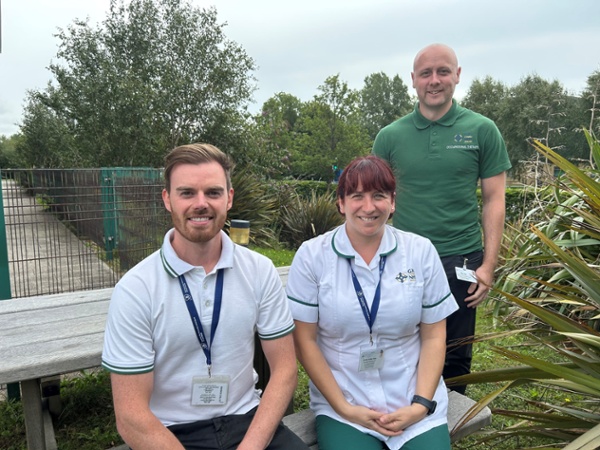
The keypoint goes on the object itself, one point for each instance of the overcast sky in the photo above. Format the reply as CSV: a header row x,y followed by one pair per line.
x,y
297,45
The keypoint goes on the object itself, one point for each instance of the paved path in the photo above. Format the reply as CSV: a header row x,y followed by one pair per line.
x,y
44,256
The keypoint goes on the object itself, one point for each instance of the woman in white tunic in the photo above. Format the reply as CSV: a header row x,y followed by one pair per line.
x,y
369,303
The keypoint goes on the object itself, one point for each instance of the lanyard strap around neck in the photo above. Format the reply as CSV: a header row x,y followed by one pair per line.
x,y
189,302
370,314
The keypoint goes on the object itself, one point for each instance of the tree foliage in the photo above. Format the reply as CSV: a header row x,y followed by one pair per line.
x,y
383,100
534,108
153,75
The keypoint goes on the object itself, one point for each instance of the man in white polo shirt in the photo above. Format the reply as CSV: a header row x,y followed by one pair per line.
x,y
179,339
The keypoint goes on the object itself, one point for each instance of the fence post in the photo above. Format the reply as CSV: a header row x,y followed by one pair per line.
x,y
109,211
5,294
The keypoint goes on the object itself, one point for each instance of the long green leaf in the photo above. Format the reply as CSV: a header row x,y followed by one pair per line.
x,y
584,337
588,185
552,318
590,440
561,372
594,146
589,278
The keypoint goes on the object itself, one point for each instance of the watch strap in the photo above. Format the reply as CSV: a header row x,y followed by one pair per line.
x,y
429,404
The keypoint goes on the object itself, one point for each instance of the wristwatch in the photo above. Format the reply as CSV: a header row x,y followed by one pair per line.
x,y
429,404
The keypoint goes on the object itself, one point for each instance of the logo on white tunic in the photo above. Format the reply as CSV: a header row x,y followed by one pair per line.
x,y
408,276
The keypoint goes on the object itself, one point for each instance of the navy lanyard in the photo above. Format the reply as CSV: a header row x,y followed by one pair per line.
x,y
370,315
189,302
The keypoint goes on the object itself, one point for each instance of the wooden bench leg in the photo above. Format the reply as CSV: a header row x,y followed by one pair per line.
x,y
32,410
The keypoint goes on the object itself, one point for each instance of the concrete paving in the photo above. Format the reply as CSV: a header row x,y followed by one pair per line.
x,y
44,256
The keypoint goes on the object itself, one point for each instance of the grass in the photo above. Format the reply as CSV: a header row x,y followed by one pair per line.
x,y
87,420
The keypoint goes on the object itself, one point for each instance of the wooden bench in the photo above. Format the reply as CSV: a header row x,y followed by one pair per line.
x,y
49,335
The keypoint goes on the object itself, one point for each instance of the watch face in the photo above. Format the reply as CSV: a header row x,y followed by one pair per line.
x,y
432,409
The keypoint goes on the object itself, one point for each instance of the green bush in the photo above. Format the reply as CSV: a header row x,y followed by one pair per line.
x,y
303,219
255,201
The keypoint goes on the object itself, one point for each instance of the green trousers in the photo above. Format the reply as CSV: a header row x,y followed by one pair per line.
x,y
334,435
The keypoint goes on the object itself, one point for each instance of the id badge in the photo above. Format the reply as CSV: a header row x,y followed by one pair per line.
x,y
371,358
210,391
464,274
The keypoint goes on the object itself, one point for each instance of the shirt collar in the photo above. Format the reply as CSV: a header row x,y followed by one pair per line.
x,y
446,120
340,243
175,266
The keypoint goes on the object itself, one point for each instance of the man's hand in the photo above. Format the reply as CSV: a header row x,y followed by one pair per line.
x,y
479,291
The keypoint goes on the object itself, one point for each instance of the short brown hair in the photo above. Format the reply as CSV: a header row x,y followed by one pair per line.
x,y
372,172
197,153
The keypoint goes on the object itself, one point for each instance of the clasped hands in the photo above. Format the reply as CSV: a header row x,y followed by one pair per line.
x,y
387,424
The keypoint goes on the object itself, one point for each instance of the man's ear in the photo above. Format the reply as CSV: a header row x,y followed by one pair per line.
x,y
166,200
230,199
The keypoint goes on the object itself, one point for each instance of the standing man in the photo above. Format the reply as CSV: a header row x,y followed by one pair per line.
x,y
438,153
179,339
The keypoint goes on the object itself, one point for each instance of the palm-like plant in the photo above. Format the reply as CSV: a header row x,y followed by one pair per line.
x,y
303,219
254,202
550,286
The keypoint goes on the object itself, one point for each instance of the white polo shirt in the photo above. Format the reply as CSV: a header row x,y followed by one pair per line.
x,y
414,289
149,328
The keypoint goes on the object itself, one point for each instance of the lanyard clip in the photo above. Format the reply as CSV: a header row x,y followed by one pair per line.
x,y
465,263
371,339
209,371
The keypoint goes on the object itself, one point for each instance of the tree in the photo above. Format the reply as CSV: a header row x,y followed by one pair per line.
x,y
382,100
591,98
328,132
486,97
47,138
155,74
8,154
534,108
273,136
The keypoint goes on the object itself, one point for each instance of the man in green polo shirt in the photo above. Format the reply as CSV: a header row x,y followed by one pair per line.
x,y
438,153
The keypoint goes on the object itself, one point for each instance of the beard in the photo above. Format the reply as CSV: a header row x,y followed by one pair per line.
x,y
195,234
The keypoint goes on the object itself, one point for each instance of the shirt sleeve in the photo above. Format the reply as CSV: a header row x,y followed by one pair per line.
x,y
438,301
494,157
128,344
274,319
302,286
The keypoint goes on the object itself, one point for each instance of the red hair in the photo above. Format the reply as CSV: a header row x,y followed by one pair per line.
x,y
371,172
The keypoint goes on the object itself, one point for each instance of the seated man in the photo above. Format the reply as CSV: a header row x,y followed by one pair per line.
x,y
179,339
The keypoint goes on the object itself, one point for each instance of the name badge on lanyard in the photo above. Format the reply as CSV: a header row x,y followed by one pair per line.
x,y
213,389
371,357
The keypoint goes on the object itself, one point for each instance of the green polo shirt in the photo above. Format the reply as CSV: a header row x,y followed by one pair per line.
x,y
437,166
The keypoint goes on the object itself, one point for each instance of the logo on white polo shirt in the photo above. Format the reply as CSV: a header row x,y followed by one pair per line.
x,y
408,276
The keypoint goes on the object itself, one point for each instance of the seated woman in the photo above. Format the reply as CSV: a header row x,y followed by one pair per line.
x,y
370,304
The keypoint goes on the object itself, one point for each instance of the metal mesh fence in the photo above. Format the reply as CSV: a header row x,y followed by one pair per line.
x,y
78,229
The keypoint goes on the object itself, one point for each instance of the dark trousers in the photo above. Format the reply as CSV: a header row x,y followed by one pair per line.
x,y
226,433
461,323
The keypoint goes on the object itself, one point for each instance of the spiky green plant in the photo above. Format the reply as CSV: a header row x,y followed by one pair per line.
x,y
303,219
253,201
550,288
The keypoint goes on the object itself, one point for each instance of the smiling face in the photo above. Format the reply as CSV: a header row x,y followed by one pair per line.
x,y
435,76
365,196
198,200
366,212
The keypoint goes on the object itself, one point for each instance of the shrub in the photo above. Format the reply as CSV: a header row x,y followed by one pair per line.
x,y
303,219
550,285
255,202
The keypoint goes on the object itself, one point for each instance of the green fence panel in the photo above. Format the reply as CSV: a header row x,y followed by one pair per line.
x,y
5,293
13,390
